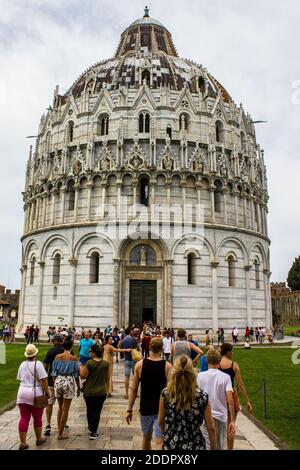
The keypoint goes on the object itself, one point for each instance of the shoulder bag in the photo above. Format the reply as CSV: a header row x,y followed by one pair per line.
x,y
42,401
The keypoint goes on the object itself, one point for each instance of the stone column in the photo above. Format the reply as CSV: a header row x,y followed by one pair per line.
x,y
103,199
63,204
225,193
116,315
253,226
245,210
167,314
89,203
30,222
73,264
44,210
262,219
22,299
248,295
37,212
134,186
236,208
200,213
40,294
267,276
215,319
53,192
25,218
212,199
119,187
77,189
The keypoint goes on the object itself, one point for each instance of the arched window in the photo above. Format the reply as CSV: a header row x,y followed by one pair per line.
x,y
71,196
191,268
243,142
103,124
257,276
169,131
144,123
231,271
56,269
70,131
32,269
144,191
146,77
201,84
94,268
219,132
218,196
183,122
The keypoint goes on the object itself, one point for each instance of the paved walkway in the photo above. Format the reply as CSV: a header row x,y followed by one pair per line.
x,y
114,431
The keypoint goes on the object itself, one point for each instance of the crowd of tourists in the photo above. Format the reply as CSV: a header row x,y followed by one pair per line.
x,y
188,397
7,333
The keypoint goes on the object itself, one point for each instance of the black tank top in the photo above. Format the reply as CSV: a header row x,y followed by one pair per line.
x,y
230,372
153,381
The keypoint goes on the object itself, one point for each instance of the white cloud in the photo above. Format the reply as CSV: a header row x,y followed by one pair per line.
x,y
251,47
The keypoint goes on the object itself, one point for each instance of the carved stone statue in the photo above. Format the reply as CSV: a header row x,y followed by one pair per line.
x,y
143,254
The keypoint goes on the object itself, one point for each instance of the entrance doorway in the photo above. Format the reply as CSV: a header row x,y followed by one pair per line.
x,y
142,302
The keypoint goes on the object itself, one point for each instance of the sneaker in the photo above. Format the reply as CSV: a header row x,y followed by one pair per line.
x,y
94,436
47,430
41,441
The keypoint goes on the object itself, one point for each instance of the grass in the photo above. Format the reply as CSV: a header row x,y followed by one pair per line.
x,y
288,330
283,378
8,372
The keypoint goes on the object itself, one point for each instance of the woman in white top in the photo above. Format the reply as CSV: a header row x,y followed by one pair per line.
x,y
25,399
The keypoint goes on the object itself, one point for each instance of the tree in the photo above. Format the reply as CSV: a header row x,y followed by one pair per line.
x,y
294,275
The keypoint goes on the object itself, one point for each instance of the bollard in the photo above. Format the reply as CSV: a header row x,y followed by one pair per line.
x,y
264,399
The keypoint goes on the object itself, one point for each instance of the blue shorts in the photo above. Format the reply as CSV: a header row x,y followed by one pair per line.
x,y
83,360
129,367
148,423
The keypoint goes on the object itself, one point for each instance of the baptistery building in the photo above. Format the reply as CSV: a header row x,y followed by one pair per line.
x,y
146,198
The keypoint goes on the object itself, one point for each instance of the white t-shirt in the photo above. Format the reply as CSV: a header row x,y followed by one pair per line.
x,y
215,383
167,345
26,377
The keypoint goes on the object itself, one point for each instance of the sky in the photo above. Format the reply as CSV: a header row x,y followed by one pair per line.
x,y
251,47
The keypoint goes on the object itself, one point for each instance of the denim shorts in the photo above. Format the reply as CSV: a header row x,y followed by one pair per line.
x,y
129,367
148,423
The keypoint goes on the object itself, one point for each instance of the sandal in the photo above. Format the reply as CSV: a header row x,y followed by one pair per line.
x,y
63,437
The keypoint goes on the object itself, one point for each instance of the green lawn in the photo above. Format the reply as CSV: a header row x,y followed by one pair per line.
x,y
283,380
288,330
8,372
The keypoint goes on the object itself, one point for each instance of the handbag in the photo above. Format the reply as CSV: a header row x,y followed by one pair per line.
x,y
136,355
236,401
42,401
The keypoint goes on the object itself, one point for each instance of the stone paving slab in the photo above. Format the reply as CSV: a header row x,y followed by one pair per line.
x,y
114,431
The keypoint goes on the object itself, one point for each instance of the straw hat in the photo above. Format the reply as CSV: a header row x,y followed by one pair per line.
x,y
30,350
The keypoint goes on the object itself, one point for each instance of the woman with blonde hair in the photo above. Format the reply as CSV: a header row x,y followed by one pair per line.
x,y
183,408
109,352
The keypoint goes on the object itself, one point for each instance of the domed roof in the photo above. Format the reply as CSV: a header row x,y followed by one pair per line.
x,y
147,45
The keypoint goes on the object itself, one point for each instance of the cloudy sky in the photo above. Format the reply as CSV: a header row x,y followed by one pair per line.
x,y
251,47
